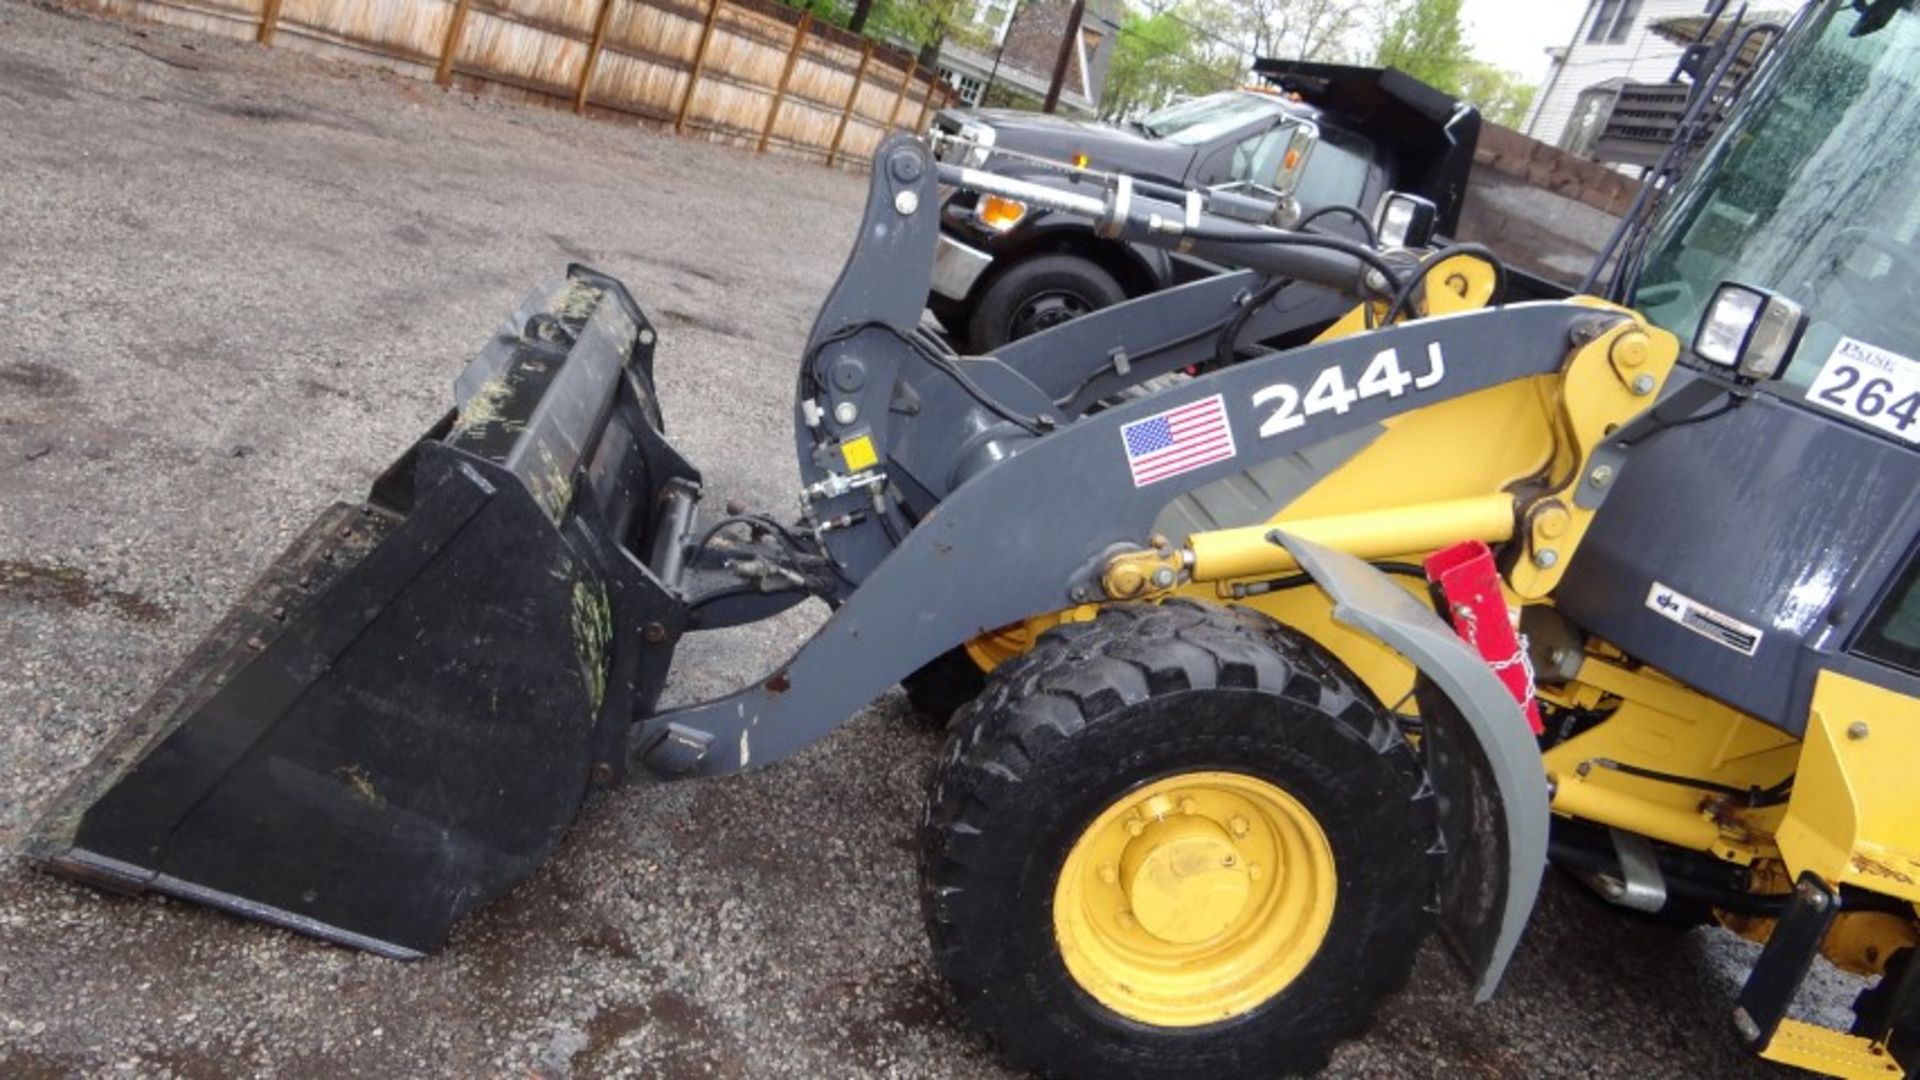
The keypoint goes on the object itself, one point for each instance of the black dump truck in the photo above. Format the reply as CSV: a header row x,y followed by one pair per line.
x,y
1314,136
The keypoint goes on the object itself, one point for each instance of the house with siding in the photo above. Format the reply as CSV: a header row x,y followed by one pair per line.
x,y
1615,43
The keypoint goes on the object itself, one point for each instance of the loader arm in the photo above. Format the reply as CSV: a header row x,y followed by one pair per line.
x,y
932,449
968,566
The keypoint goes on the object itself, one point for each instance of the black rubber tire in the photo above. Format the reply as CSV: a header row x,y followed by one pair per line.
x,y
991,324
944,686
1100,708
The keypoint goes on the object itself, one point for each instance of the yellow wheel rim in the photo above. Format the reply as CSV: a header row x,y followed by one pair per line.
x,y
1194,899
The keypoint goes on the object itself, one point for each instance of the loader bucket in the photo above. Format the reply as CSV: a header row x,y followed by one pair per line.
x,y
401,718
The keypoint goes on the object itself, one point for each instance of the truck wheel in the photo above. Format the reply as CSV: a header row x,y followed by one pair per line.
x,y
1177,840
1037,294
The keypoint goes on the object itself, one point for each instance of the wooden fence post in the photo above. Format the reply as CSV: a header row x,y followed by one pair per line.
x,y
699,61
853,95
593,55
786,74
913,68
269,20
926,103
455,26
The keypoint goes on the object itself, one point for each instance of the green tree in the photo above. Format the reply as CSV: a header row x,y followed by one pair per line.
x,y
921,24
1425,39
1162,57
1138,74
1302,29
1501,96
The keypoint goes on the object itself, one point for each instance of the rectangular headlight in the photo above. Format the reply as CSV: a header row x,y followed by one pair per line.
x,y
1750,330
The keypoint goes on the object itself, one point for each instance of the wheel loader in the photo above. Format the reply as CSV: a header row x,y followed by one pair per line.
x,y
1278,667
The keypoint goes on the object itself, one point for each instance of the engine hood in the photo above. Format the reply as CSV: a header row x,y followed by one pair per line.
x,y
1058,138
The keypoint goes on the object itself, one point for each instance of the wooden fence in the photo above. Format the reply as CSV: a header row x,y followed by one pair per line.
x,y
753,72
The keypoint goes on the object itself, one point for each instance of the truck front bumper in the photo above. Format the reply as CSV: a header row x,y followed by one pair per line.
x,y
956,267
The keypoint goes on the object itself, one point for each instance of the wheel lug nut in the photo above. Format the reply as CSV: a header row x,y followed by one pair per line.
x,y
1135,826
1108,874
1126,919
1238,826
1254,872
1187,805
1228,861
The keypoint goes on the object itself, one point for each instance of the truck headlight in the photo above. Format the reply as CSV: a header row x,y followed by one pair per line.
x,y
982,137
1750,330
997,213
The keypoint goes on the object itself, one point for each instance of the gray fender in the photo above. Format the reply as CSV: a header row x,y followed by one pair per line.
x,y
1481,755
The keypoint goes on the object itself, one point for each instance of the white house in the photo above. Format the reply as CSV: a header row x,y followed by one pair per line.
x,y
1614,43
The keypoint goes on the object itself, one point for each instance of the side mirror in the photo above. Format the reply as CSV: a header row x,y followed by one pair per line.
x,y
1304,137
1404,221
1750,330
1244,200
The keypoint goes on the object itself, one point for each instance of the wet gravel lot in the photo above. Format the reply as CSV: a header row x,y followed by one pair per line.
x,y
234,283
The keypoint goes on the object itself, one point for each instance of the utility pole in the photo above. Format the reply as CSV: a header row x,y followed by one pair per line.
x,y
1068,43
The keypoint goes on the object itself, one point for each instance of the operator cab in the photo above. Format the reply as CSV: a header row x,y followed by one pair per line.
x,y
1770,535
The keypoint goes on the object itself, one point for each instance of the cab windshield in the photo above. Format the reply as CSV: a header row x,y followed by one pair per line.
x,y
1204,119
1810,190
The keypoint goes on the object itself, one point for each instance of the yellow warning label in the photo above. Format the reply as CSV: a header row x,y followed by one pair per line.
x,y
858,453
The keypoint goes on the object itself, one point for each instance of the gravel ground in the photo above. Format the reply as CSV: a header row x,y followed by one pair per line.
x,y
233,284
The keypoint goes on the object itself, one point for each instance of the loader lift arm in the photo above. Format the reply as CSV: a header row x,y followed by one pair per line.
x,y
941,577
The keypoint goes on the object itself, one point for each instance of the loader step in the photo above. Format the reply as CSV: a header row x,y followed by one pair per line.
x,y
1831,1053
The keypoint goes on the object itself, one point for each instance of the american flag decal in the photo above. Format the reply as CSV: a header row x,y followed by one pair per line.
x,y
1179,440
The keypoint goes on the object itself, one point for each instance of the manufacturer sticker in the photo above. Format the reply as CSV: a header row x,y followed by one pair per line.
x,y
1703,620
1871,385
1177,441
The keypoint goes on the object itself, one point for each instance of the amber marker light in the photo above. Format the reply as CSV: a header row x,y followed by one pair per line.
x,y
999,214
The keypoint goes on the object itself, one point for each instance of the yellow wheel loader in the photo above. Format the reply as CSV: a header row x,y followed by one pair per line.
x,y
1282,664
